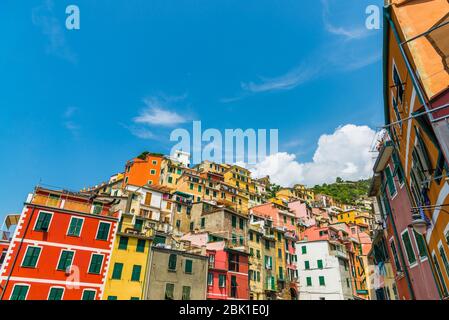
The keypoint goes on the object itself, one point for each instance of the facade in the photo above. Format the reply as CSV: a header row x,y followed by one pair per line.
x,y
323,271
61,248
176,274
143,170
416,77
406,247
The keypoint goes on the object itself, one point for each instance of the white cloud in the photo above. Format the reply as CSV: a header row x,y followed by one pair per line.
x,y
344,153
156,113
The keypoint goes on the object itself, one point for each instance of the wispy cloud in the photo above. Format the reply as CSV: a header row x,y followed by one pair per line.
x,y
156,113
44,18
347,32
287,81
69,123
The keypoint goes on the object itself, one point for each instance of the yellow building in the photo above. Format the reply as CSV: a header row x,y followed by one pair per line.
x,y
256,261
129,260
354,216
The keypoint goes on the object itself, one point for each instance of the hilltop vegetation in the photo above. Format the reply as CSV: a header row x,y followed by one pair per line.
x,y
344,191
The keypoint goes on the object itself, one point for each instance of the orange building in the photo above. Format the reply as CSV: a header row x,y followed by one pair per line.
x,y
143,170
416,98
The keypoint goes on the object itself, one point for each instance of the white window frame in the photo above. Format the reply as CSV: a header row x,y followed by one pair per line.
x,y
38,258
392,197
49,224
405,249
56,287
89,289
70,222
59,259
90,262
422,259
20,284
98,229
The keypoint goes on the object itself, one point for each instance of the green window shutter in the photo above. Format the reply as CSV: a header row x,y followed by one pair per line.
x,y
169,288
75,227
444,258
43,221
390,181
421,243
56,294
138,224
210,279
141,245
19,292
31,257
134,298
320,264
221,280
304,249
123,244
136,273
241,223
191,186
65,261
234,221
185,293
188,266
112,297
309,281
96,263
172,262
281,273
408,247
88,295
203,222
117,272
170,179
322,283
306,265
103,231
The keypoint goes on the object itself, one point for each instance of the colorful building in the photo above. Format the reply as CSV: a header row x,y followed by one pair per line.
x,y
416,96
61,248
143,170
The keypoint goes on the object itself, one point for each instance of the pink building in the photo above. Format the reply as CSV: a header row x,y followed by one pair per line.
x,y
302,212
281,216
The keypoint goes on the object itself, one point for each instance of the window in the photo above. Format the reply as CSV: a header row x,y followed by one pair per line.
x,y
95,265
440,275
234,221
123,243
154,162
320,264
97,208
31,256
172,262
134,298
169,288
89,295
135,276
309,281
103,231
75,227
191,226
306,265
234,286
390,182
395,256
148,197
199,188
112,298
185,293
421,243
55,293
241,240
268,262
65,260
138,224
267,244
152,172
398,83
188,266
43,222
321,279
210,279
408,247
241,223
170,179
444,258
280,253
117,272
233,262
140,245
19,292
203,222
281,273
191,186
304,249
222,280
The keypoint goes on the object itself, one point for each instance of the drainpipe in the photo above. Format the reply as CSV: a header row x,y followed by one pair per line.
x,y
148,272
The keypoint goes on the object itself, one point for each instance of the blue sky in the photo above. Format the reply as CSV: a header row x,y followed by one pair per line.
x,y
70,100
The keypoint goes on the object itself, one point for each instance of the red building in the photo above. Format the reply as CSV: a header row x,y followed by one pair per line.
x,y
291,263
228,268
60,249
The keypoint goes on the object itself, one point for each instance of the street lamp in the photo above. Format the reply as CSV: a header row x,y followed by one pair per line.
x,y
420,226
